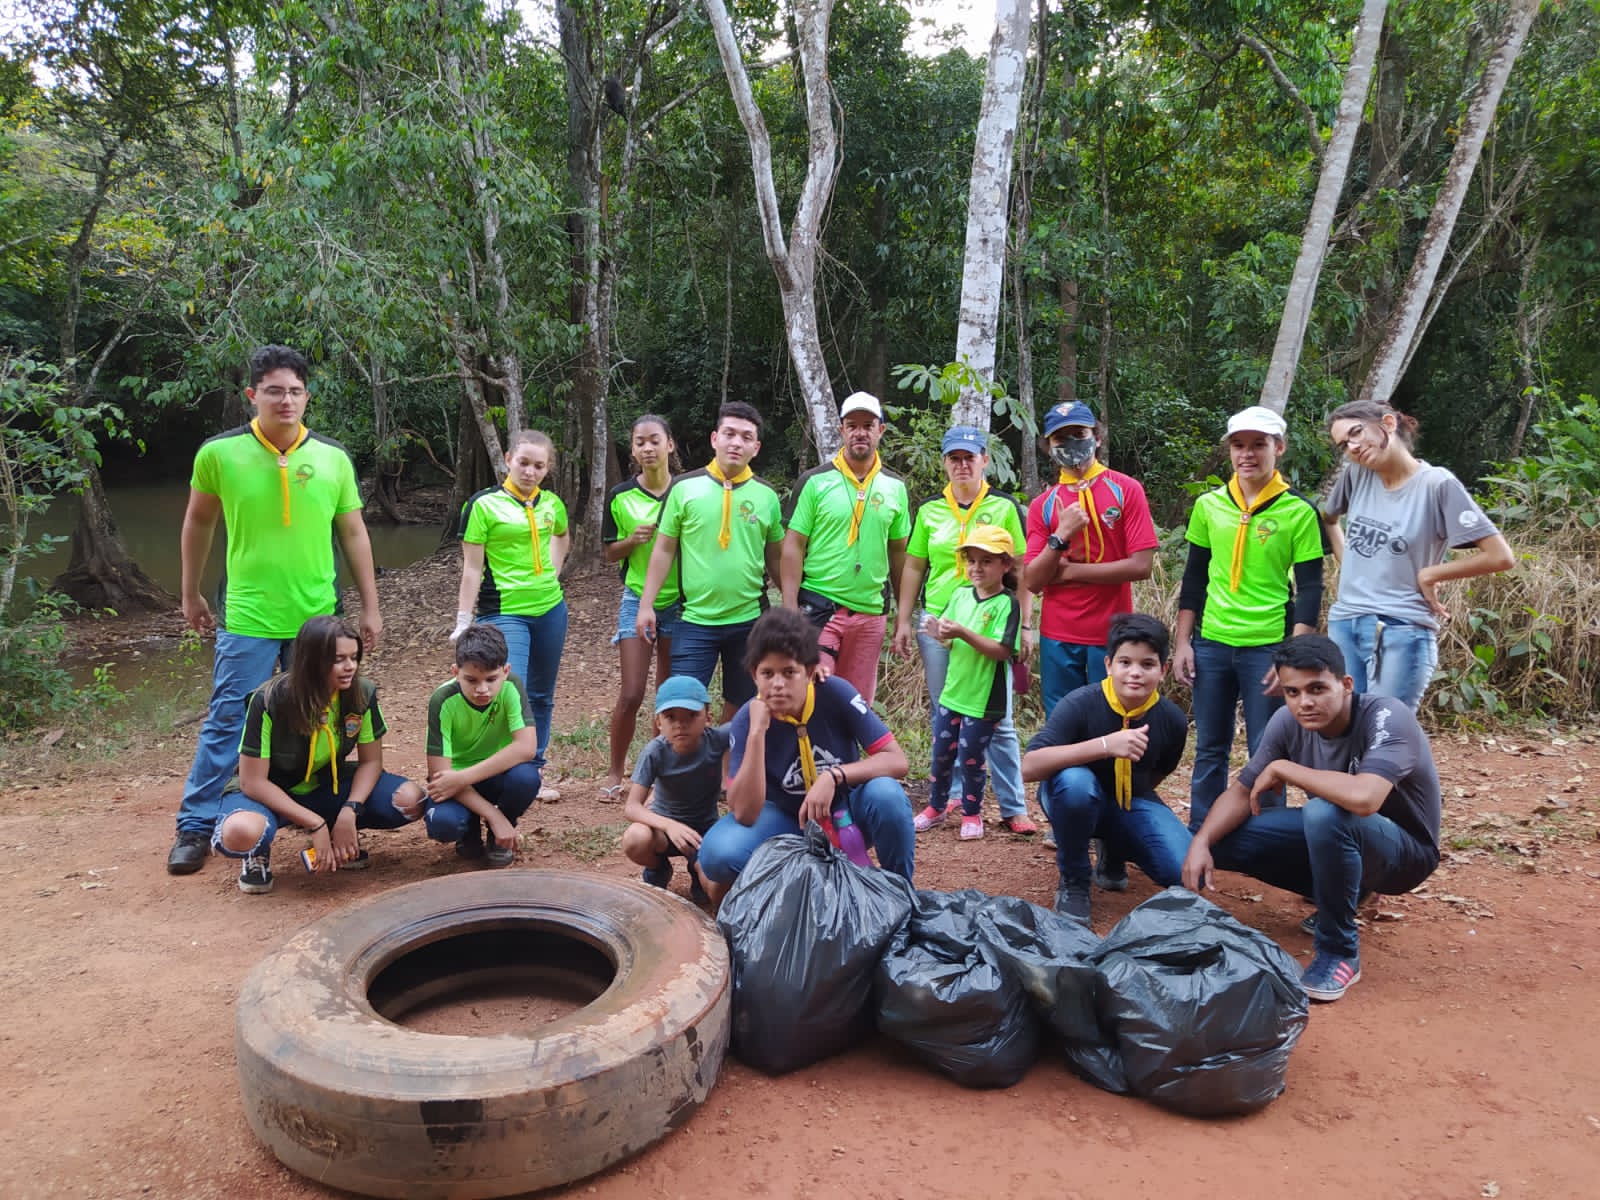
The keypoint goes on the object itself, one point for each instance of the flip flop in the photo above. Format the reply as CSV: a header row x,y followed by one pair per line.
x,y
610,795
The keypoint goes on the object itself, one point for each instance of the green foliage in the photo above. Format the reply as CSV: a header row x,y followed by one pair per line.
x,y
1556,486
917,450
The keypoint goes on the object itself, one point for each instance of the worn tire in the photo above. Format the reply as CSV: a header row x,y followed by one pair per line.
x,y
344,1095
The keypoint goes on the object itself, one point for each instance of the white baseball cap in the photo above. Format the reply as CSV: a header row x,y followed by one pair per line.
x,y
861,402
1257,419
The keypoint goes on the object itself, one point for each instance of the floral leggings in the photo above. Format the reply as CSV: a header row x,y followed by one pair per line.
x,y
960,744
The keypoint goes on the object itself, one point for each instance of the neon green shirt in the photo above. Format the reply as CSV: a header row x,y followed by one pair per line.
x,y
627,507
287,752
465,734
496,520
721,587
278,575
849,575
975,685
1280,535
936,531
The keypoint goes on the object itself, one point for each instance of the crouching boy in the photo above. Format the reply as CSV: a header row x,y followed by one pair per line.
x,y
683,763
480,751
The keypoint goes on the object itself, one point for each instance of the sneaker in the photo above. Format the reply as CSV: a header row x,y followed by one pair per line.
x,y
470,844
971,828
255,878
929,817
1309,925
1329,976
1108,877
1021,824
497,855
1073,902
1049,839
660,876
953,808
188,853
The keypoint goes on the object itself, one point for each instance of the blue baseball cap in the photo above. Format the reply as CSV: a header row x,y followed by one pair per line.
x,y
682,691
1074,413
964,437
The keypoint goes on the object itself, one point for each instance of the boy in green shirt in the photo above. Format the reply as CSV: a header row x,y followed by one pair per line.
x,y
481,751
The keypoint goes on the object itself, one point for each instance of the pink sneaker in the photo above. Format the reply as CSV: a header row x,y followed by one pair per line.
x,y
928,818
1021,824
953,809
971,828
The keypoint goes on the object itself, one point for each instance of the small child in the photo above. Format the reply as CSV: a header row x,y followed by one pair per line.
x,y
481,751
683,762
982,624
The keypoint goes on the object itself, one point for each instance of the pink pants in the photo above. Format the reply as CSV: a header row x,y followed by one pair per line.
x,y
856,642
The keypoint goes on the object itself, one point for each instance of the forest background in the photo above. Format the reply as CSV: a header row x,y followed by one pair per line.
x,y
474,223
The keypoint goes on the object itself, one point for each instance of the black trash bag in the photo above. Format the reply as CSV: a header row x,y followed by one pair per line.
x,y
1198,1012
806,928
1049,955
946,996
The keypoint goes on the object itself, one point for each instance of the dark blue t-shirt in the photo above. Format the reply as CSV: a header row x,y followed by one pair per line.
x,y
1084,716
842,725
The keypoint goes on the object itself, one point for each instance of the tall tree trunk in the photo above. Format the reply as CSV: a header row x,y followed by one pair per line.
x,y
1387,149
983,268
1406,324
1104,368
1067,341
474,470
1531,319
1302,291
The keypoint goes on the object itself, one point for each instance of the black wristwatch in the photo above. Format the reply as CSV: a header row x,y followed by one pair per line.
x,y
1055,543
356,807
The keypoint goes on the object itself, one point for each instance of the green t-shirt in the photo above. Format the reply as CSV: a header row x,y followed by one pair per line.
x,y
975,685
278,574
466,734
287,752
849,575
498,521
629,506
1281,534
936,531
721,587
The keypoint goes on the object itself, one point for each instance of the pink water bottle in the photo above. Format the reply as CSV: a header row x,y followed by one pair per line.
x,y
847,835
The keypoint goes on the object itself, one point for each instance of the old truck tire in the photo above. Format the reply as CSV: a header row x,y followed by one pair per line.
x,y
341,1093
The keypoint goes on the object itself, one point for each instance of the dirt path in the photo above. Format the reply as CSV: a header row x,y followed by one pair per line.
x,y
1466,1063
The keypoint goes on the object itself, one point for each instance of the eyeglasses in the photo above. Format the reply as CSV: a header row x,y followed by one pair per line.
x,y
278,393
1354,434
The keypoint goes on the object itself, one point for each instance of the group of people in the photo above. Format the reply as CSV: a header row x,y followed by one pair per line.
x,y
798,739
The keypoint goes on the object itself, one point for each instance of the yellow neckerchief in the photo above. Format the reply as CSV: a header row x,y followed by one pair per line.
x,y
808,757
962,522
282,457
1086,501
333,750
1269,492
527,502
863,485
725,534
1123,767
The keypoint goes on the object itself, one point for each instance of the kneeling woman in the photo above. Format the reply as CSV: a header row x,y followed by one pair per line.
x,y
799,752
299,729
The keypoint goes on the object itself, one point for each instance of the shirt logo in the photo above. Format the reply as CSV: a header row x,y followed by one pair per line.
x,y
1464,519
794,779
1366,537
1265,528
352,724
304,474
747,512
1111,516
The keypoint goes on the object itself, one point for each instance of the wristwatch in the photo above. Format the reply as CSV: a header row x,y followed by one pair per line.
x,y
1055,543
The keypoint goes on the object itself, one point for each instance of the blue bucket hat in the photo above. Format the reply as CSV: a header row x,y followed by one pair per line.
x,y
1074,413
964,437
682,691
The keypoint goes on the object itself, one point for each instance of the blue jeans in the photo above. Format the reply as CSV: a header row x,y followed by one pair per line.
x,y
696,649
242,665
1005,751
1331,855
1224,676
879,808
628,612
510,791
1398,660
960,749
379,813
1147,832
534,646
1065,667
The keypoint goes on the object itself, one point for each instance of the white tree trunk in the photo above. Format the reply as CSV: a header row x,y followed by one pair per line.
x,y
983,268
1314,242
1406,325
794,259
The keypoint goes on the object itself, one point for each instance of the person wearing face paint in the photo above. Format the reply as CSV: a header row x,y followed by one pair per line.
x,y
803,750
721,529
1237,604
934,571
847,527
1371,817
1403,515
514,542
284,494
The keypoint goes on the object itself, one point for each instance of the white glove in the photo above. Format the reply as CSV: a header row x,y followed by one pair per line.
x,y
463,619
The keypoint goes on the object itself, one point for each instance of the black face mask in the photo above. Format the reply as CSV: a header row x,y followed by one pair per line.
x,y
1073,454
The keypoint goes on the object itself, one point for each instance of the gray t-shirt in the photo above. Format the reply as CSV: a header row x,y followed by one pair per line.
x,y
1391,535
1383,739
687,785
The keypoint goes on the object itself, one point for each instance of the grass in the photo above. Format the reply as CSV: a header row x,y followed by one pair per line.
x,y
590,843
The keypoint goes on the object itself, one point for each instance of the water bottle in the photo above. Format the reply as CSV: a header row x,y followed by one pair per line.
x,y
847,835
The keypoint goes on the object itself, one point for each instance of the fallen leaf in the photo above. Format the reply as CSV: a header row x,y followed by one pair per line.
x,y
1491,1188
1384,914
51,738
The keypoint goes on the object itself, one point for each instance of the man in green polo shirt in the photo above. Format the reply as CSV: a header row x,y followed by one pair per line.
x,y
722,527
847,536
283,493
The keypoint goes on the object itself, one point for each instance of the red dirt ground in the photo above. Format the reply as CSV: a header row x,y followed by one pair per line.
x,y
1465,1063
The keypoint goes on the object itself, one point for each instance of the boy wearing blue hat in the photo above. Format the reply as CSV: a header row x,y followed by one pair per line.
x,y
683,763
